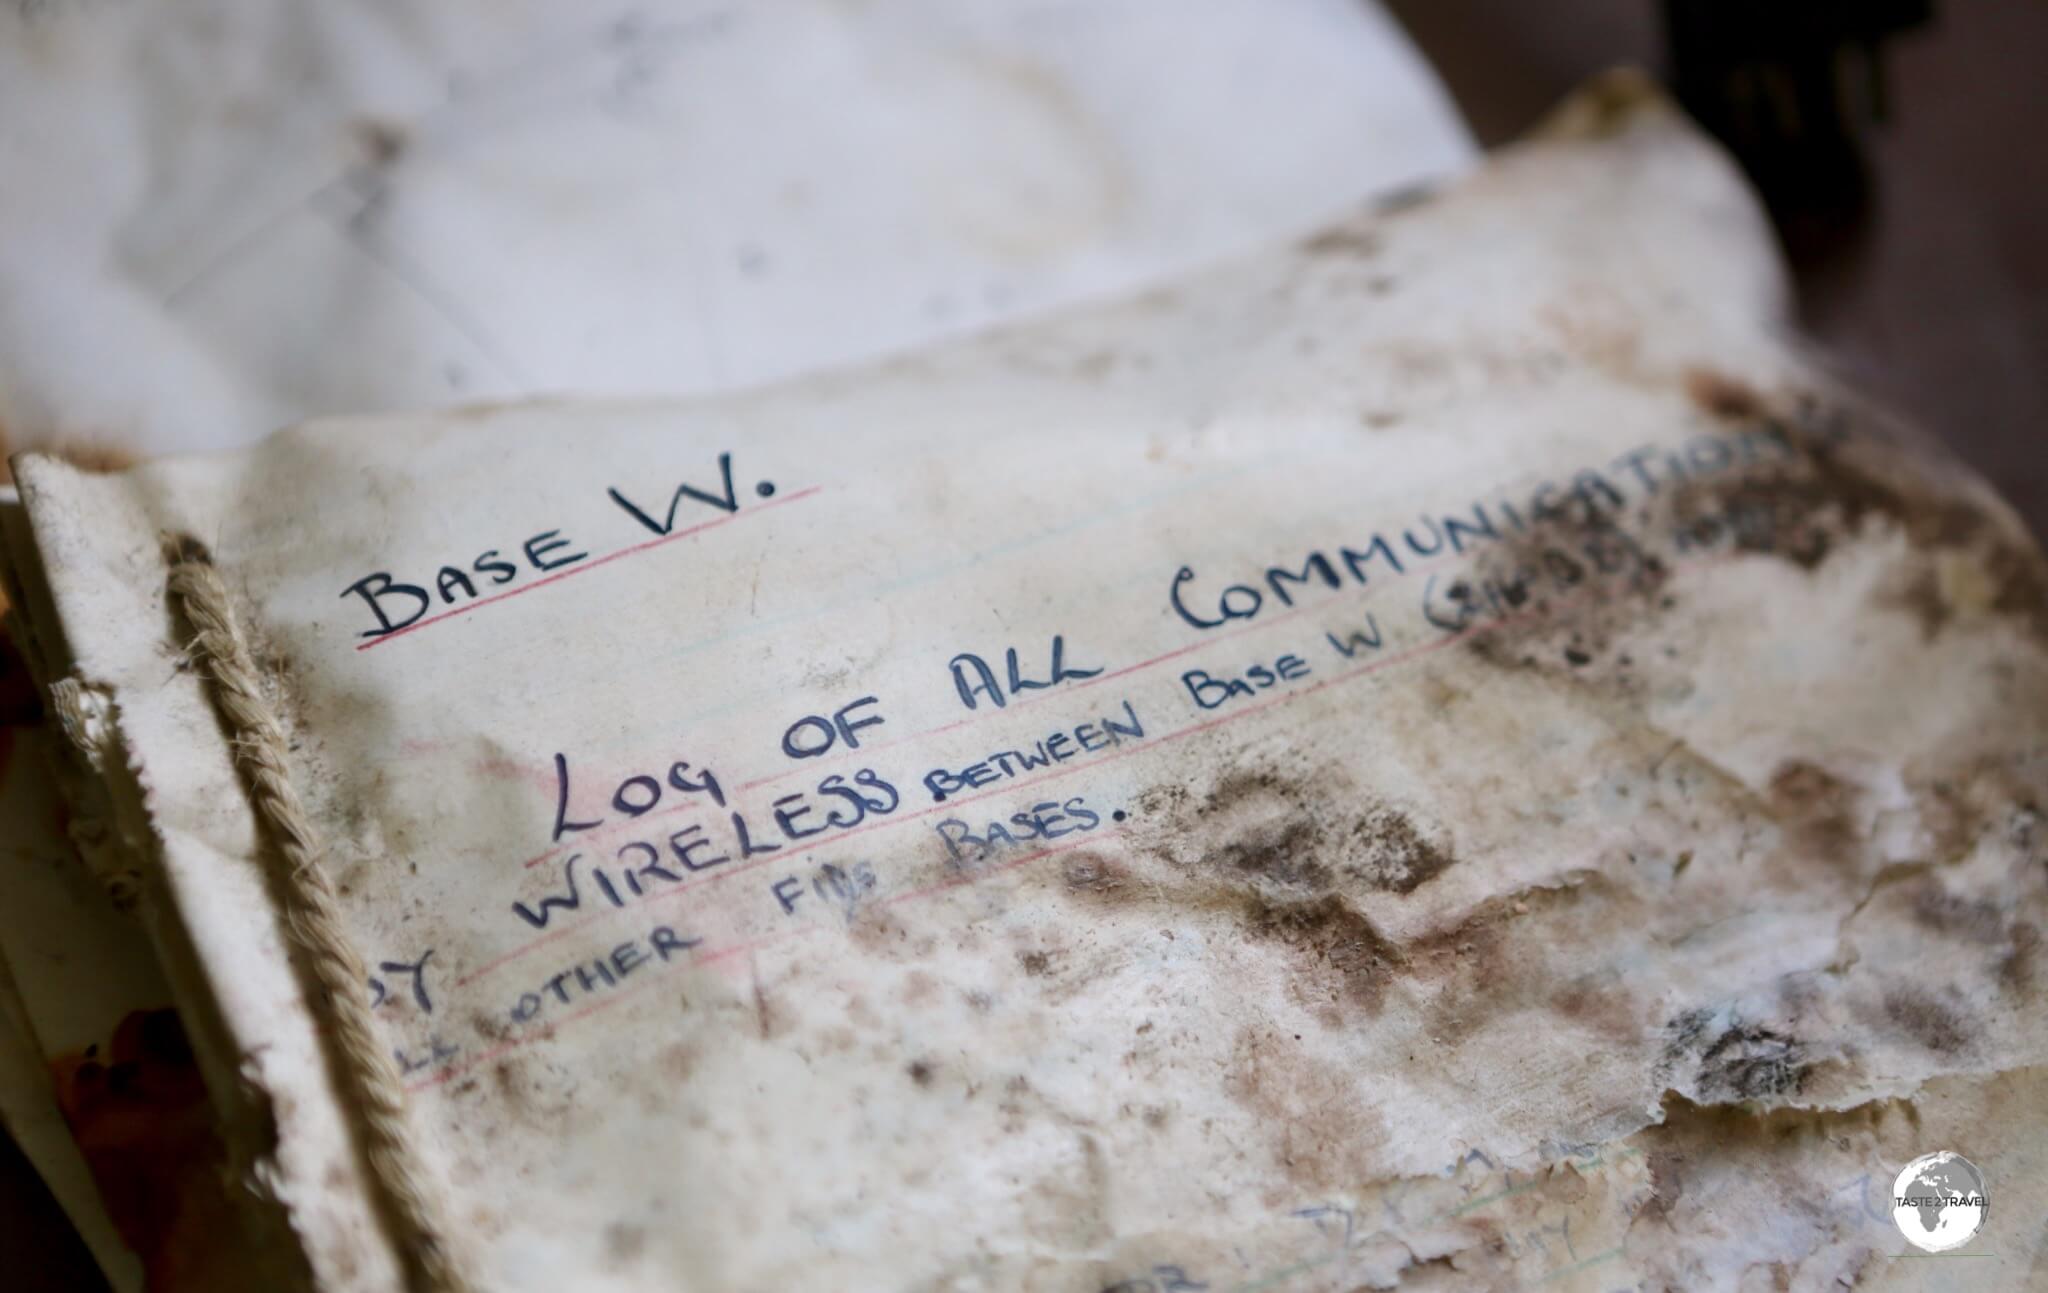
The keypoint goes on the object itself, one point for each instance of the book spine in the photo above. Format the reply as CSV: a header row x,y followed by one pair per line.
x,y
408,1196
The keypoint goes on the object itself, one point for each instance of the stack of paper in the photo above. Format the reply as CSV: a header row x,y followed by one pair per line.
x,y
1446,753
224,217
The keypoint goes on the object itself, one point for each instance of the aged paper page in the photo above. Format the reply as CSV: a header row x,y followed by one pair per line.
x,y
225,216
270,210
1446,755
99,1080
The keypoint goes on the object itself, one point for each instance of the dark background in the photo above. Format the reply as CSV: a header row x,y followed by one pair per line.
x,y
1938,301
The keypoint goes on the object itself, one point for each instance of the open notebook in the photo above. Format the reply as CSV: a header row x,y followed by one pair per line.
x,y
495,200
1445,753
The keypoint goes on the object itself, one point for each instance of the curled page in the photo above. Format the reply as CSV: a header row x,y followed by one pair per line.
x,y
1448,753
229,215
98,1082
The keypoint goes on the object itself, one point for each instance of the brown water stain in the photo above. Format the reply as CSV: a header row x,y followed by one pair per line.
x,y
1978,920
1840,474
2010,949
2016,966
1284,858
1602,1007
1347,240
1800,478
1335,947
1282,851
1509,954
1322,1130
1567,588
1398,857
1721,396
1300,832
1936,1025
1817,810
1917,592
1733,1059
623,1243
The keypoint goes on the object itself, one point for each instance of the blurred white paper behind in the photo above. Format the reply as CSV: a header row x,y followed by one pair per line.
x,y
224,216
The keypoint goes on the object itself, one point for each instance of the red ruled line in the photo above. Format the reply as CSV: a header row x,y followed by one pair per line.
x,y
586,567
740,948
1278,699
975,877
953,882
867,751
1067,690
618,827
1014,787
